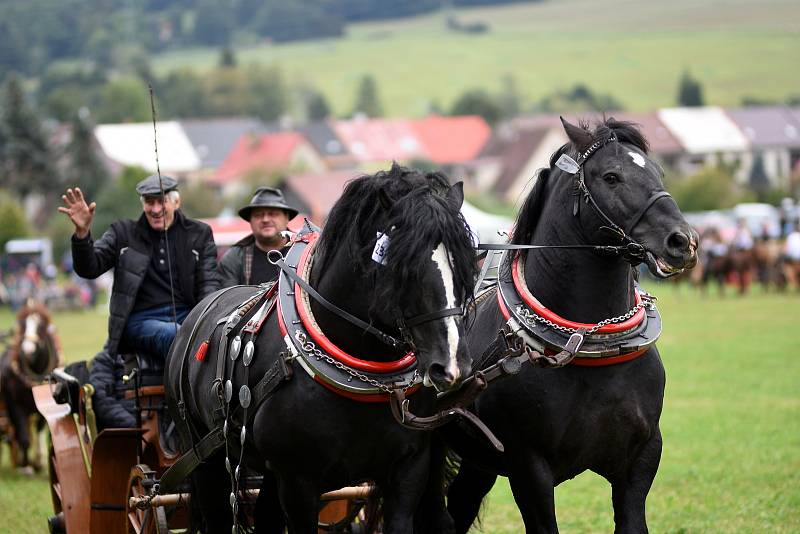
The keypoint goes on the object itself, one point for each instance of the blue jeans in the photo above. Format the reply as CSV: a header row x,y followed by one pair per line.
x,y
153,330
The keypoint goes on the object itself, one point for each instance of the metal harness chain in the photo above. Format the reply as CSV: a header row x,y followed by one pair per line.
x,y
310,348
531,317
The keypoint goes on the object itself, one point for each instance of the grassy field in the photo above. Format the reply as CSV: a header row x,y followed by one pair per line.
x,y
632,50
731,426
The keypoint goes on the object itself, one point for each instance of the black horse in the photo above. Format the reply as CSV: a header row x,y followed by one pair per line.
x,y
309,435
602,415
34,351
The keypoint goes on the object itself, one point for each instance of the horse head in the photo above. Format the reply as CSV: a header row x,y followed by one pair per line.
x,y
401,234
34,338
628,204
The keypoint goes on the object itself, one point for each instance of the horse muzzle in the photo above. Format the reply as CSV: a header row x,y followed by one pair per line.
x,y
28,347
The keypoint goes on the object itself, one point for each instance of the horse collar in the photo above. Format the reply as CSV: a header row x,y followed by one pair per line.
x,y
342,373
614,340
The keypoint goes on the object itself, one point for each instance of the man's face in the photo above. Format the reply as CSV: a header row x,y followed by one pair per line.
x,y
159,214
268,223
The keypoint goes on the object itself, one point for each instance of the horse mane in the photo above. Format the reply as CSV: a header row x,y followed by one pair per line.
x,y
411,207
625,132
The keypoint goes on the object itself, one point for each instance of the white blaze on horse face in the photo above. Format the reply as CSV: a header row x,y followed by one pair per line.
x,y
637,159
441,258
31,337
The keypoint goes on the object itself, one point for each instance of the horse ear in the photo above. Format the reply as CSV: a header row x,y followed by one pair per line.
x,y
455,195
580,137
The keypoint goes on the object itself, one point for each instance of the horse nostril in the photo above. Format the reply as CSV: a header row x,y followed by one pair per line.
x,y
678,241
440,375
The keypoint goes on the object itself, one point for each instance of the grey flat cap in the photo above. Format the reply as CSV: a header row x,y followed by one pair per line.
x,y
267,197
149,187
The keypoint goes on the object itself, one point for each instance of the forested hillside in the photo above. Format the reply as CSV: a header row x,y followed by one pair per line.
x,y
36,32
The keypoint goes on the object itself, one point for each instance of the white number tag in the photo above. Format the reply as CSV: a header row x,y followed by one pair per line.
x,y
381,248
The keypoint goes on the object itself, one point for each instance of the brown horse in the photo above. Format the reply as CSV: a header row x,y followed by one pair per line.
x,y
767,259
34,351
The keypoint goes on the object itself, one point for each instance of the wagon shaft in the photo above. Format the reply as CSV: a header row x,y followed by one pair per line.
x,y
174,499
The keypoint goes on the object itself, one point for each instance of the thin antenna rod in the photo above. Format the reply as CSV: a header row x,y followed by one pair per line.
x,y
164,208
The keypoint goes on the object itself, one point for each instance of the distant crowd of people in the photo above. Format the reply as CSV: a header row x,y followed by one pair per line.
x,y
43,284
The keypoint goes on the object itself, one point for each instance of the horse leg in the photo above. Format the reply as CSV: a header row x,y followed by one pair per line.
x,y
629,491
403,491
300,502
268,515
432,513
533,486
20,422
211,489
466,493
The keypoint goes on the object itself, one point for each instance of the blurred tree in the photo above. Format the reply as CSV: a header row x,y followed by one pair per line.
x,y
758,179
118,200
317,107
709,189
226,92
27,162
580,98
478,102
124,100
181,94
690,92
300,19
266,93
227,57
59,229
214,22
509,99
85,168
199,200
12,218
367,99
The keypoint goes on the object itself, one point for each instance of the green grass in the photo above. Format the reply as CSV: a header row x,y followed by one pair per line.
x,y
635,51
731,426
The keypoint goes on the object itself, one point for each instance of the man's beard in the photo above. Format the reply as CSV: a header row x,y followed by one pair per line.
x,y
275,241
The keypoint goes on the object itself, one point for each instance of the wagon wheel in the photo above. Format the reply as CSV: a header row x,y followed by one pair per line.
x,y
151,520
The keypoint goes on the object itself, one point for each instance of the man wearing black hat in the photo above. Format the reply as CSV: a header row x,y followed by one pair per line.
x,y
246,262
161,258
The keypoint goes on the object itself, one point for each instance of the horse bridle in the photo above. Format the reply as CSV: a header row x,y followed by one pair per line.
x,y
403,323
631,250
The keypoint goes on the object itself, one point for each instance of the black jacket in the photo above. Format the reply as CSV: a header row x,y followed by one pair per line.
x,y
232,264
106,376
126,248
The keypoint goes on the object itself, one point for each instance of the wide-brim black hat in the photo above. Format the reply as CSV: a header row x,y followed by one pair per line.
x,y
267,197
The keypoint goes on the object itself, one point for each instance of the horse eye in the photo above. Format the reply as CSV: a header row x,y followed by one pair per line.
x,y
611,178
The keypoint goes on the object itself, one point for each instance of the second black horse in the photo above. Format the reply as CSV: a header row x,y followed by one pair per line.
x,y
602,198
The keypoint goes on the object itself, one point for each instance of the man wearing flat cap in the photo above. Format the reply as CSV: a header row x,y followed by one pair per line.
x,y
246,262
159,257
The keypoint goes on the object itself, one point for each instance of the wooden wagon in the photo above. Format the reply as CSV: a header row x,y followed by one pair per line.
x,y
101,483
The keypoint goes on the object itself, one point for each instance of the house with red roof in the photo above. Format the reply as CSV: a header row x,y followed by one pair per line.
x,y
266,154
451,140
442,140
316,193
372,141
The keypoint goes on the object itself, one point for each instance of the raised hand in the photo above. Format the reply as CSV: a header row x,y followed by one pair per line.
x,y
78,211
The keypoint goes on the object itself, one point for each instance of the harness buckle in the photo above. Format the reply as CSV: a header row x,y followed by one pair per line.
x,y
635,250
